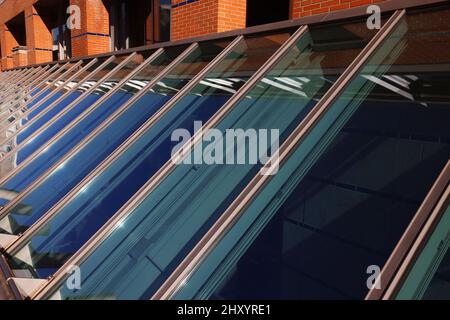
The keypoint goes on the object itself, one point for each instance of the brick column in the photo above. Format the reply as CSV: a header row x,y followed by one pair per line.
x,y
93,37
192,18
303,8
8,42
20,56
39,37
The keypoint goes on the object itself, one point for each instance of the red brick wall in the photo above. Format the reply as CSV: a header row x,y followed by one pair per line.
x,y
8,42
39,37
93,37
20,58
303,8
206,16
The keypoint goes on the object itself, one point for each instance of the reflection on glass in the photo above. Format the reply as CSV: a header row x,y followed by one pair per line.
x,y
105,193
159,233
37,117
428,278
23,99
56,149
316,239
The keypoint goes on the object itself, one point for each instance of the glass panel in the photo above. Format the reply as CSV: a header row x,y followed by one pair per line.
x,y
165,226
45,114
429,277
23,99
26,175
21,151
386,139
105,193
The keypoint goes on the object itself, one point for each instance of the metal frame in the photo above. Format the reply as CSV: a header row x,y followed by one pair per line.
x,y
27,235
45,74
60,99
57,88
54,82
410,244
46,82
49,107
73,123
17,94
5,210
236,209
169,166
388,6
17,79
15,76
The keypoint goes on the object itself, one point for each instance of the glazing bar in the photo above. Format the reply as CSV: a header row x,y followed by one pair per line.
x,y
47,97
117,113
231,215
186,89
169,166
44,84
55,82
405,252
51,106
36,153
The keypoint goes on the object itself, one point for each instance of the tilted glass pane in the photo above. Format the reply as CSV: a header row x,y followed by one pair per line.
x,y
46,111
429,276
386,139
57,148
158,234
105,193
26,99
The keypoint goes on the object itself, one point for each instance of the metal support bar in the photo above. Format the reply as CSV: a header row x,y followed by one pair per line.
x,y
26,236
406,250
60,115
169,166
48,108
236,209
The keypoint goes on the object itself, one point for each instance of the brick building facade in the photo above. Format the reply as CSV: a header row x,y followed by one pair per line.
x,y
28,36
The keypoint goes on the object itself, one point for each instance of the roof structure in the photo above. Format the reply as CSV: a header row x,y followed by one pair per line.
x,y
90,188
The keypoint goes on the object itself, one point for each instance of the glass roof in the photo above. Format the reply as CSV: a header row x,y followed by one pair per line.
x,y
194,170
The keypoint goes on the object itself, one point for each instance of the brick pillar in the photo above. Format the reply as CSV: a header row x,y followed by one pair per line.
x,y
93,37
198,17
8,42
303,8
39,37
20,56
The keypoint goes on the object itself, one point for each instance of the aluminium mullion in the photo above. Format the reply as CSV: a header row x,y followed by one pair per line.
x,y
14,78
74,103
50,107
4,75
225,222
26,80
17,92
62,85
404,253
54,83
47,97
14,84
28,234
168,167
36,79
7,207
42,86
